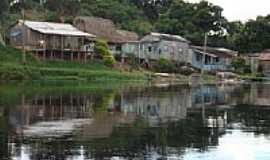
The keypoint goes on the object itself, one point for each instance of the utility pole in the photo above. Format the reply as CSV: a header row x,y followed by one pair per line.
x,y
23,39
204,52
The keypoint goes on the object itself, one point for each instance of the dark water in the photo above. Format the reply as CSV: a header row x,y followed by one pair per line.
x,y
123,121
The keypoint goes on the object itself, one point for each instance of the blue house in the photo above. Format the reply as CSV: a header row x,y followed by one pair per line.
x,y
215,59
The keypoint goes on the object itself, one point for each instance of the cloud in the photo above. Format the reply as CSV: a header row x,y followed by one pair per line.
x,y
242,9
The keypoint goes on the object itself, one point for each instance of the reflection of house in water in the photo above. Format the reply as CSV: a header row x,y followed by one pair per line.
x,y
157,105
44,111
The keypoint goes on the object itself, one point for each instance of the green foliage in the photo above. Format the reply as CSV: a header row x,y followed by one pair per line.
x,y
11,68
165,65
238,63
190,20
102,50
109,60
133,61
3,7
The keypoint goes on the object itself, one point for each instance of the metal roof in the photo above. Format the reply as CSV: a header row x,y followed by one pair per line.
x,y
169,36
55,28
205,53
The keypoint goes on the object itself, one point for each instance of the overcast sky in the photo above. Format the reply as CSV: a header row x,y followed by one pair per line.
x,y
242,9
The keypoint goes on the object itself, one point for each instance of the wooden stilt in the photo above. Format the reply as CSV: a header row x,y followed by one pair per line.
x,y
51,56
79,56
85,57
72,56
62,48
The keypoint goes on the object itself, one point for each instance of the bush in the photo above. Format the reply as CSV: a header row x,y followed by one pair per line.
x,y
101,48
109,61
165,65
133,61
239,64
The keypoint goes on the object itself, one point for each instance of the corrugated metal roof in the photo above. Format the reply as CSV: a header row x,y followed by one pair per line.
x,y
169,36
205,53
56,28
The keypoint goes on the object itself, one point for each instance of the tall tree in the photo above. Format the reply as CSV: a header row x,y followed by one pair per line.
x,y
4,5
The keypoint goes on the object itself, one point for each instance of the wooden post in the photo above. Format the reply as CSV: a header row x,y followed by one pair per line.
x,y
72,56
51,56
44,51
85,57
24,34
204,50
79,56
62,47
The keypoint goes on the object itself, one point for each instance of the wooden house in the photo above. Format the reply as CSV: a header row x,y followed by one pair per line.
x,y
264,62
215,59
50,40
119,41
252,59
172,47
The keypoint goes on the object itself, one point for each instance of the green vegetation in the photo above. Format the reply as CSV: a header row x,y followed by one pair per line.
x,y
190,20
164,65
240,65
12,69
102,50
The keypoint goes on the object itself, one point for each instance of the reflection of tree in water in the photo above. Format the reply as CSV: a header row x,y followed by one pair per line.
x,y
140,140
4,133
251,118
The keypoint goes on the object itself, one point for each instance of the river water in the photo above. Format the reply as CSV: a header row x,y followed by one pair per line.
x,y
77,121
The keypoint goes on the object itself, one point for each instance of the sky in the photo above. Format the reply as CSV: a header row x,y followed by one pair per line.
x,y
242,9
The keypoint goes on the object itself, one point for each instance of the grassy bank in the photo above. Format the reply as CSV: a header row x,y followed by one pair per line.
x,y
11,68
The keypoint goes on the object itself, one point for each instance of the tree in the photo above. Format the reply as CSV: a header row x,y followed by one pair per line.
x,y
193,20
4,5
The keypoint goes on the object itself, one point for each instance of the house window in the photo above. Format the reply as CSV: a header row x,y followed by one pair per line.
x,y
198,57
150,49
217,60
118,48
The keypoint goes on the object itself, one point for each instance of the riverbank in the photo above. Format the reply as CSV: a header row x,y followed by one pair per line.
x,y
11,68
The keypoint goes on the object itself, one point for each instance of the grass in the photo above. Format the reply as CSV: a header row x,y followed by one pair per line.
x,y
11,68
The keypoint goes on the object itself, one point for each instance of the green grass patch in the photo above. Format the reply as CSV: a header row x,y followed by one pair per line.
x,y
11,68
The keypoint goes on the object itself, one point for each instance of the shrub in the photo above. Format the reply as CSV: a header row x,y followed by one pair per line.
x,y
165,65
109,61
133,61
239,64
101,48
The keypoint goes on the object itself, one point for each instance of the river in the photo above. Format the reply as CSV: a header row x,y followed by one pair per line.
x,y
118,121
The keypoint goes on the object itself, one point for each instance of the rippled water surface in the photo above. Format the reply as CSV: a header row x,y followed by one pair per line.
x,y
77,121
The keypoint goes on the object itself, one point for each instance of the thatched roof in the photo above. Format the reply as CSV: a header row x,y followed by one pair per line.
x,y
104,29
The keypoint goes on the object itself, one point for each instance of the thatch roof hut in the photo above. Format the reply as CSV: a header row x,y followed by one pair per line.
x,y
104,29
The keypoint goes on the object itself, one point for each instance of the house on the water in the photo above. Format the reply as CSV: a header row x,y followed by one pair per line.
x,y
157,45
121,42
215,59
51,40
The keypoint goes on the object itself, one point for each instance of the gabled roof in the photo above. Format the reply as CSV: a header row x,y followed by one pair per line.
x,y
219,52
55,28
104,29
153,36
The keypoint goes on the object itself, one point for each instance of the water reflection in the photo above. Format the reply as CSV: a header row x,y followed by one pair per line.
x,y
174,122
